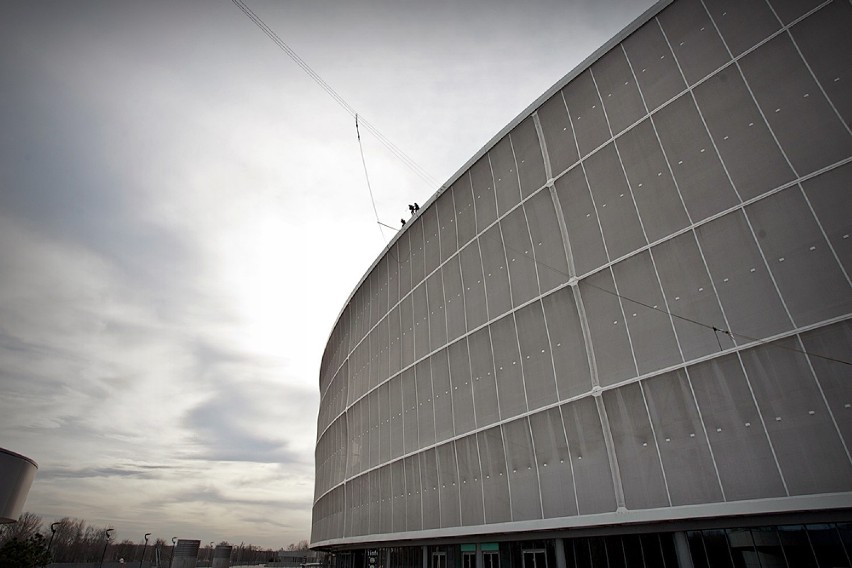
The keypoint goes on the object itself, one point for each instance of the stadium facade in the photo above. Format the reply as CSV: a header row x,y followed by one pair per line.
x,y
621,334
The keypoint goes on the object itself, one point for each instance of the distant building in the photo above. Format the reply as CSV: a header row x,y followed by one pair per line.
x,y
185,553
621,335
16,477
222,556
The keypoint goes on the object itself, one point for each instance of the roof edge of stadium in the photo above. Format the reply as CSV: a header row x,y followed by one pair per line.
x,y
556,87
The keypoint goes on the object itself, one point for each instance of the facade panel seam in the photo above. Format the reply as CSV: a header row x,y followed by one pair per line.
x,y
823,397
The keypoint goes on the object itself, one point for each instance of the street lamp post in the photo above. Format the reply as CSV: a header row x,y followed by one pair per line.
x,y
144,546
52,534
172,559
211,553
106,544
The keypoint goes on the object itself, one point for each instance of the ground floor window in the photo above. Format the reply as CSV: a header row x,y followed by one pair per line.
x,y
786,546
622,551
491,559
536,558
826,545
406,557
532,554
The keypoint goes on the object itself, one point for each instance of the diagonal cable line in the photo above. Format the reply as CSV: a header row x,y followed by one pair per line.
x,y
715,329
409,162
367,176
424,175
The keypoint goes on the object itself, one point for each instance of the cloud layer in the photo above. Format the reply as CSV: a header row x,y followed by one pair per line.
x,y
183,213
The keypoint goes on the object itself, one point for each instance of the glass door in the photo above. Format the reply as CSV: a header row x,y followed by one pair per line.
x,y
439,560
535,558
491,560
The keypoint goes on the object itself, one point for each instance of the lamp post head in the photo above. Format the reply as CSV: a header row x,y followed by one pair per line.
x,y
146,536
53,526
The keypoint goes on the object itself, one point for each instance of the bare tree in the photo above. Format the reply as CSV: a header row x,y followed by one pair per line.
x,y
74,541
159,546
67,542
28,525
125,549
301,545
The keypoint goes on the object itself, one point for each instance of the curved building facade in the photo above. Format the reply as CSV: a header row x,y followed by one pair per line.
x,y
624,325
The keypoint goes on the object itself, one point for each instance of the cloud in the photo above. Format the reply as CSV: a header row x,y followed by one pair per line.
x,y
183,213
221,432
130,470
213,495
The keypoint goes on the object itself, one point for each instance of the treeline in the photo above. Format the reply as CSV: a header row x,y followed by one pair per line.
x,y
73,540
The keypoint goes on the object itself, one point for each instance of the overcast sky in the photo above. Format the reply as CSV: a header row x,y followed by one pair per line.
x,y
183,213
